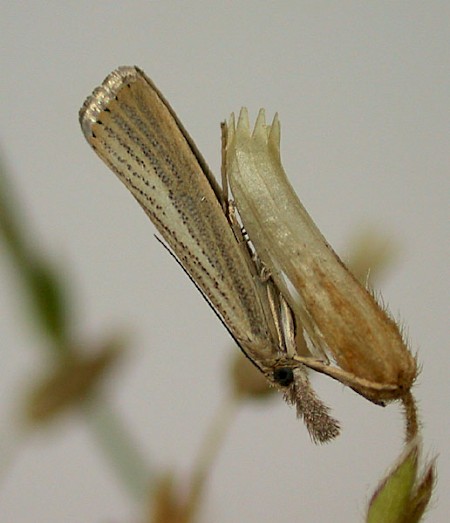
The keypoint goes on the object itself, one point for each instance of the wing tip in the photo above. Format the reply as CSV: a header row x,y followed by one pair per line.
x,y
102,95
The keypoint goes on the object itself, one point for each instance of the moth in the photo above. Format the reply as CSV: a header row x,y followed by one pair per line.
x,y
133,129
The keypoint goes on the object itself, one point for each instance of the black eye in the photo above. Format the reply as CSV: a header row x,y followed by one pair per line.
x,y
283,376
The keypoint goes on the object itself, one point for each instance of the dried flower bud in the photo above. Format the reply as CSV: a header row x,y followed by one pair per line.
x,y
69,383
340,316
167,506
246,379
369,254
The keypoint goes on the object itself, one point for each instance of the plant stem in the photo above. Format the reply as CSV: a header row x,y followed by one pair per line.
x,y
115,441
410,413
209,449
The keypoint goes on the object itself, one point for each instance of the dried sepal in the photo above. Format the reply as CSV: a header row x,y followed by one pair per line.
x,y
422,495
340,316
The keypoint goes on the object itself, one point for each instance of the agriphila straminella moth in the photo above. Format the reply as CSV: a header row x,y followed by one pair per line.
x,y
136,133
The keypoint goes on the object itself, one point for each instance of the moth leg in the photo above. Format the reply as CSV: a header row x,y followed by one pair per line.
x,y
371,390
229,207
265,273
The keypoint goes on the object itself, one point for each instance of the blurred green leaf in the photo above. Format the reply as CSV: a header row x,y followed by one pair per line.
x,y
46,292
48,300
9,222
73,375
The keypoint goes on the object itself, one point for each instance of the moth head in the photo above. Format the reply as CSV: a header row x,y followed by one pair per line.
x,y
283,376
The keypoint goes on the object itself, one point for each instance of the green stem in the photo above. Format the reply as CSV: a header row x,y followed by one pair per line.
x,y
130,465
212,443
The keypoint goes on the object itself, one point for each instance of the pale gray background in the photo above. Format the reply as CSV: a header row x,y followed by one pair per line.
x,y
362,89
